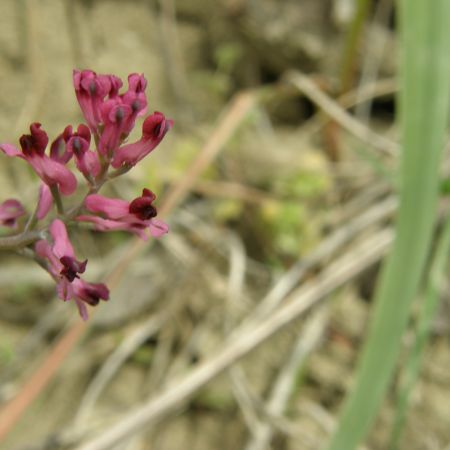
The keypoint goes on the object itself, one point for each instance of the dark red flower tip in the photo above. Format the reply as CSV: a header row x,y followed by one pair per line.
x,y
155,126
72,267
92,293
142,206
148,193
34,143
67,133
84,132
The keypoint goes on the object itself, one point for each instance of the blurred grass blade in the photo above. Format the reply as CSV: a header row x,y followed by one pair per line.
x,y
427,313
423,108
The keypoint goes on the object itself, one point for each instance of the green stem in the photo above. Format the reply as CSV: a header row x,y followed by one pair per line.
x,y
57,198
32,220
118,172
19,240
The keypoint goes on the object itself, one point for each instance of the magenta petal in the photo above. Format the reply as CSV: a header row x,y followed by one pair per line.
x,y
64,289
82,309
115,225
115,85
53,172
58,150
11,208
77,145
49,170
88,164
90,90
62,245
131,154
92,163
158,228
10,211
61,175
115,115
137,83
102,224
154,129
112,208
11,150
135,96
44,250
45,201
84,132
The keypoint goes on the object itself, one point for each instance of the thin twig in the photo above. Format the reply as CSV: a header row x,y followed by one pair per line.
x,y
236,279
116,360
13,410
172,54
230,189
282,389
340,115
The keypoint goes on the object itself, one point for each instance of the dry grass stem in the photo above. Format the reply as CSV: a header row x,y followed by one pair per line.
x,y
239,344
328,246
341,116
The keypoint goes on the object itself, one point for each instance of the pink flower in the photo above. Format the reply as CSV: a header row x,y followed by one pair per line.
x,y
61,260
135,96
154,129
116,214
112,116
78,144
101,104
50,169
10,211
120,112
91,89
58,148
65,269
116,116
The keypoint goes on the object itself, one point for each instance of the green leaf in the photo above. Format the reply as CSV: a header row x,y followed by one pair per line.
x,y
423,102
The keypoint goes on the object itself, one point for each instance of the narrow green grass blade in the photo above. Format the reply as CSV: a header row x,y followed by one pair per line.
x,y
423,102
427,313
351,44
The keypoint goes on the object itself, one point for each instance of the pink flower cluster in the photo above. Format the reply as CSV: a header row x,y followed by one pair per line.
x,y
110,117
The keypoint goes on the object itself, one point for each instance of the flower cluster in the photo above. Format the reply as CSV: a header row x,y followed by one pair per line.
x,y
100,152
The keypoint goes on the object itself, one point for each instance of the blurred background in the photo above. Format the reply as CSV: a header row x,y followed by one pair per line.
x,y
279,167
